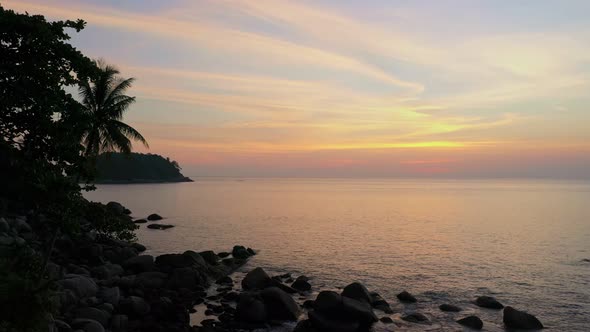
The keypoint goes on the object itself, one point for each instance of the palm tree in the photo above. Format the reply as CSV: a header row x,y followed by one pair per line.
x,y
105,102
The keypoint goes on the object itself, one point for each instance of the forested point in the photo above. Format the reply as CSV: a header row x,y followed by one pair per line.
x,y
137,168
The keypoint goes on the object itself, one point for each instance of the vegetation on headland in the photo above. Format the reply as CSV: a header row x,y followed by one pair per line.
x,y
137,168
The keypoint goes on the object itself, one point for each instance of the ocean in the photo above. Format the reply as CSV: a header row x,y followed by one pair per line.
x,y
445,241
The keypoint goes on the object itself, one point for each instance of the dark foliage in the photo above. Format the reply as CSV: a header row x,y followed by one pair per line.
x,y
108,223
137,167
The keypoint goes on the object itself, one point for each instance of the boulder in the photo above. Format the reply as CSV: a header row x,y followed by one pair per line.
x,y
358,310
174,261
416,317
279,305
406,297
186,277
210,257
386,320
138,246
116,207
141,263
251,309
515,319
472,322
277,283
134,306
240,252
379,303
140,221
357,291
328,302
154,217
110,295
256,279
223,254
107,271
81,285
321,322
94,314
449,307
159,226
151,279
301,285
87,325
488,302
224,281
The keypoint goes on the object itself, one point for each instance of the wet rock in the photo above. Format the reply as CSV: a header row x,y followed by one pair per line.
x,y
223,254
275,282
279,304
406,297
301,285
187,278
256,279
251,309
328,302
137,264
138,246
240,252
472,322
308,304
449,307
154,217
416,317
379,303
168,262
515,319
159,226
140,221
119,323
82,286
359,310
586,260
321,322
488,302
210,257
357,291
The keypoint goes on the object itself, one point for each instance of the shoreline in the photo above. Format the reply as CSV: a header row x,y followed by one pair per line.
x,y
145,181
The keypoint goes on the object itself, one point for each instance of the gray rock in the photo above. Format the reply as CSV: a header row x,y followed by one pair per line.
x,y
357,291
279,305
301,285
81,285
62,326
416,317
140,221
251,309
154,216
321,322
6,240
449,307
187,277
473,322
240,252
110,295
256,279
328,302
159,226
107,271
141,263
379,303
20,225
138,246
87,325
488,302
210,257
151,279
406,297
358,310
515,319
386,320
106,307
93,313
134,306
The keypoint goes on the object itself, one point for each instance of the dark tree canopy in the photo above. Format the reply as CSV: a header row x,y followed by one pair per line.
x,y
137,168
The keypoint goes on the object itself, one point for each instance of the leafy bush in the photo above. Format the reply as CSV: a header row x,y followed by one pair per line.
x,y
109,223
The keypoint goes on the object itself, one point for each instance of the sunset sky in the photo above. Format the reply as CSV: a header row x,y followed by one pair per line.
x,y
350,88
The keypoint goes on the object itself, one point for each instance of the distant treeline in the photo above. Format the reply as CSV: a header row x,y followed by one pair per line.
x,y
137,168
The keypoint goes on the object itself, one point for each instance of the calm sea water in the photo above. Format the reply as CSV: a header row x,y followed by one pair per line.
x,y
444,241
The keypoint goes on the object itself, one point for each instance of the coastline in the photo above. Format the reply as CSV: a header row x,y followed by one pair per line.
x,y
141,181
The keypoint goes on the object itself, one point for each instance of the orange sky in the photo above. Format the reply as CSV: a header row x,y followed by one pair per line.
x,y
332,88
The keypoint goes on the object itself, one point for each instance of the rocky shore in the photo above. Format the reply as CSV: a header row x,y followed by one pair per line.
x,y
111,285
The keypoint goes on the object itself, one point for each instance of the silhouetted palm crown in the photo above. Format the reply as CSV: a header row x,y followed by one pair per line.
x,y
105,102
